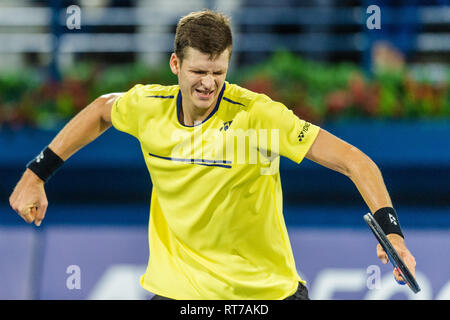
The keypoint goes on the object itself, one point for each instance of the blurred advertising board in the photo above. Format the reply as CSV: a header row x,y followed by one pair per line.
x,y
105,262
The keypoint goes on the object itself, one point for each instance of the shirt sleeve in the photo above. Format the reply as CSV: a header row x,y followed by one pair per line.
x,y
124,112
284,132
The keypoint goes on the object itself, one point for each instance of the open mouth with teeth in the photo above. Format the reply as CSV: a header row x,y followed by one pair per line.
x,y
202,94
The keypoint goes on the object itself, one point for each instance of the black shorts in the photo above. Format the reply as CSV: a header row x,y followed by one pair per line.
x,y
300,294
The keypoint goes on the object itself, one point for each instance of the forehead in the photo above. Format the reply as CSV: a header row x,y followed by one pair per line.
x,y
194,58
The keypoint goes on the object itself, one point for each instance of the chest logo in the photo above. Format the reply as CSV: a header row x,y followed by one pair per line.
x,y
226,125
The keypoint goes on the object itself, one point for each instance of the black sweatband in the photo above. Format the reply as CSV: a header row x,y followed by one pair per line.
x,y
388,220
45,164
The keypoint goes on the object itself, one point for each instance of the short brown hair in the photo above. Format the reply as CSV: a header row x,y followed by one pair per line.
x,y
207,31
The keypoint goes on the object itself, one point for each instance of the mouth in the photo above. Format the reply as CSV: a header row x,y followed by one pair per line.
x,y
204,94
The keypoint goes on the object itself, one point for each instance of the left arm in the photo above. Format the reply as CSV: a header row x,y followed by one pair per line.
x,y
338,155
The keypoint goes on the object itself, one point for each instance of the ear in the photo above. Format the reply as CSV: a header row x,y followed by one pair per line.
x,y
175,64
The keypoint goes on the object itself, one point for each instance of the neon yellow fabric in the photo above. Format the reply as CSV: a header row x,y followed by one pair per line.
x,y
216,228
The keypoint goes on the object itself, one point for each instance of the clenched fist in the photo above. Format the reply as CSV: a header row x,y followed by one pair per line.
x,y
29,199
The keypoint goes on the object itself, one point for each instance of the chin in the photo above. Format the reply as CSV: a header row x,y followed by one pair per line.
x,y
204,105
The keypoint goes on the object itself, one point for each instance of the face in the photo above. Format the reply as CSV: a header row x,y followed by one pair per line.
x,y
200,78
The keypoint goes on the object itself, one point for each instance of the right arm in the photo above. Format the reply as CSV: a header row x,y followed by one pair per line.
x,y
85,127
28,198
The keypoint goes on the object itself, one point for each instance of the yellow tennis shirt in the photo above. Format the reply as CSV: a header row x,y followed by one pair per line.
x,y
216,227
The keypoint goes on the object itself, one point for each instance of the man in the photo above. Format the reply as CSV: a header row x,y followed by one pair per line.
x,y
216,228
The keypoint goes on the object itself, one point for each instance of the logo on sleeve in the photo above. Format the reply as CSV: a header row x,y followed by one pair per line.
x,y
305,129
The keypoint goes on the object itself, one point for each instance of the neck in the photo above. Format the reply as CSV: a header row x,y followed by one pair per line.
x,y
192,115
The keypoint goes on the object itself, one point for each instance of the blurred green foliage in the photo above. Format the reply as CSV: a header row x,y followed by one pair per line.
x,y
322,92
315,91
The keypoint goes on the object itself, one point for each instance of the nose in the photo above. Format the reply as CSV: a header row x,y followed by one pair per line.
x,y
208,81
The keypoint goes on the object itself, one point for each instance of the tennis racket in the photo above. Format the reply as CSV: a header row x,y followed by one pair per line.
x,y
392,254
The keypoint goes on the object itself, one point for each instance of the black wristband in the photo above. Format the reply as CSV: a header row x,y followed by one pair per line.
x,y
45,164
388,220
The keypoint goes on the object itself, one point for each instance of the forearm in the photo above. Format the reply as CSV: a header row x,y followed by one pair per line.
x,y
368,179
28,198
338,155
84,128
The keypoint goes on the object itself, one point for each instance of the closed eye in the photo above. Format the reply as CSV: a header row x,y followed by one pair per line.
x,y
217,73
